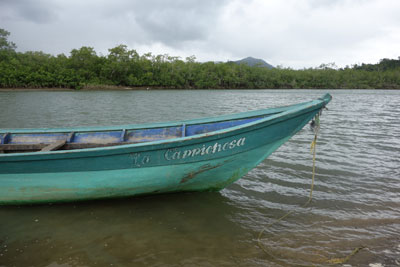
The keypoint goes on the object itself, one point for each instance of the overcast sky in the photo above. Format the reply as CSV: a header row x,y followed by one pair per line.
x,y
290,33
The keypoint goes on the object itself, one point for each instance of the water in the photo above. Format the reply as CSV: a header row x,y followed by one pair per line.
x,y
356,199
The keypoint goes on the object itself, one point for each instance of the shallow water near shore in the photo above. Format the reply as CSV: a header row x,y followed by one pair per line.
x,y
356,198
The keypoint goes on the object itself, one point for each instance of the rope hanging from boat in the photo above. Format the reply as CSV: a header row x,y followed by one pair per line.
x,y
315,125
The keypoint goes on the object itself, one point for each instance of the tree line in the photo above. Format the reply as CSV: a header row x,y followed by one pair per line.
x,y
126,67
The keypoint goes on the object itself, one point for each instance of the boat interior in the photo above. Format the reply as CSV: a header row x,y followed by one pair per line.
x,y
25,141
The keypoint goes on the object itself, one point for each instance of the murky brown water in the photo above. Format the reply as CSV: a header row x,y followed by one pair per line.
x,y
356,195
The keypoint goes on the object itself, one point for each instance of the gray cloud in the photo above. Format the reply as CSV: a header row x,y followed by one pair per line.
x,y
296,33
171,21
39,11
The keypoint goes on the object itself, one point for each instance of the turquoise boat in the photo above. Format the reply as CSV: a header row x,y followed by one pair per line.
x,y
73,164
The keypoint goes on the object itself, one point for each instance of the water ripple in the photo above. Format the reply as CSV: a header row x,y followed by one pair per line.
x,y
356,198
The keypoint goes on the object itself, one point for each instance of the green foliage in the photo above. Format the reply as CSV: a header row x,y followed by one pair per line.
x,y
124,67
4,43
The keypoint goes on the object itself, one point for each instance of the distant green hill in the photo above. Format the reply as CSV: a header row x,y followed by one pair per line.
x,y
251,61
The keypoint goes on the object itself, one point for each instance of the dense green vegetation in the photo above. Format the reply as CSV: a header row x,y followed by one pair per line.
x,y
124,67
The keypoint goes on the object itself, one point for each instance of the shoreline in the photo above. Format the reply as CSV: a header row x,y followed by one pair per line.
x,y
104,87
85,88
125,88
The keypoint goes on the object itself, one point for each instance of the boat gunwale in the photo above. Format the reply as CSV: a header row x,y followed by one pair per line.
x,y
287,112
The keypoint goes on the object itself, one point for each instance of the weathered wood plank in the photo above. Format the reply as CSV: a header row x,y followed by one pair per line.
x,y
93,145
18,147
66,146
54,146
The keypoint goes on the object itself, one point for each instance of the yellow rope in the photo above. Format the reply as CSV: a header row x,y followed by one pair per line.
x,y
345,259
333,261
313,150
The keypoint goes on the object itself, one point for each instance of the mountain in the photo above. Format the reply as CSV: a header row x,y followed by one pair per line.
x,y
251,61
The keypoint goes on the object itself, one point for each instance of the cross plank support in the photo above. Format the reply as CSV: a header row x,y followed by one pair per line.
x,y
54,146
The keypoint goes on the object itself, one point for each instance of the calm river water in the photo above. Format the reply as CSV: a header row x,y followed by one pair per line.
x,y
356,199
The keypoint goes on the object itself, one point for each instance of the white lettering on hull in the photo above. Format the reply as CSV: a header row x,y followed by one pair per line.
x,y
139,160
174,154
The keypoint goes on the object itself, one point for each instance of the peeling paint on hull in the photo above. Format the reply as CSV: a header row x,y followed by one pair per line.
x,y
74,186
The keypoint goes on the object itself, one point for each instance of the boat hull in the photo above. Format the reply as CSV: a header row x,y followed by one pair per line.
x,y
210,175
202,163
